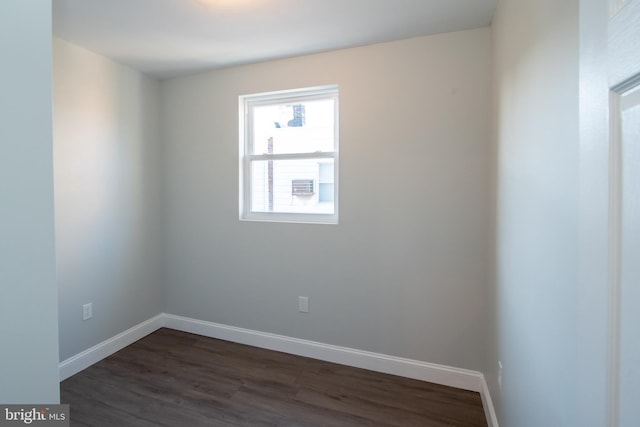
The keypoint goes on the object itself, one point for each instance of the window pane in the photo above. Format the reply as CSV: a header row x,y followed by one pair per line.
x,y
293,186
301,127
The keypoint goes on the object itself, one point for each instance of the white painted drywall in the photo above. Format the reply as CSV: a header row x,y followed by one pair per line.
x,y
107,193
405,271
28,297
537,276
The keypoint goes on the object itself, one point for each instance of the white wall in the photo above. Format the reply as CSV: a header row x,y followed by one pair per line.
x,y
537,276
28,301
405,270
107,193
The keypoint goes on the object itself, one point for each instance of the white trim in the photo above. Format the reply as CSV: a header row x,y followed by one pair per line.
x,y
83,360
293,156
294,218
615,261
290,95
438,374
487,404
616,6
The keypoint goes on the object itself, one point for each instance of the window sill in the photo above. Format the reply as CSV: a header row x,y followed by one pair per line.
x,y
327,219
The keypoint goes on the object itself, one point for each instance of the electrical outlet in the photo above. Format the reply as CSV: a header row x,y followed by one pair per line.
x,y
500,375
303,304
87,311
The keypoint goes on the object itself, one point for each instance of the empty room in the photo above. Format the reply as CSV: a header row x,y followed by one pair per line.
x,y
319,212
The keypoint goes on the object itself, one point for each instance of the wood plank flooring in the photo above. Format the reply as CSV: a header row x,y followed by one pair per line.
x,y
176,379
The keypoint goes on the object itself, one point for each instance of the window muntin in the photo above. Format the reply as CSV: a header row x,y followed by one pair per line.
x,y
289,156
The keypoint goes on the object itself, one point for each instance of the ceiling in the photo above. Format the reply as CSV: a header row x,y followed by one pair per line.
x,y
167,38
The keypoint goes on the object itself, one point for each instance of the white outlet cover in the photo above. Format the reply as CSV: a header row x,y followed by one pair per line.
x,y
87,311
303,304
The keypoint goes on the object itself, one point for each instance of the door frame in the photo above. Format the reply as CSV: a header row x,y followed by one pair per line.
x,y
609,42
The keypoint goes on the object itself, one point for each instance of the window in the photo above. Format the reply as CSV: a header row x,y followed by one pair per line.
x,y
289,156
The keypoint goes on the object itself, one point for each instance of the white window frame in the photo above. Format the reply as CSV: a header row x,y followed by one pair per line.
x,y
246,104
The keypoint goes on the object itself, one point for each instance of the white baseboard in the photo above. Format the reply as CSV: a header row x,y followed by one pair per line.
x,y
439,374
83,360
487,404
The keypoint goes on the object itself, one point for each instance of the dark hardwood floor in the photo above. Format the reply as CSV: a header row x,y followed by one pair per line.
x,y
176,379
